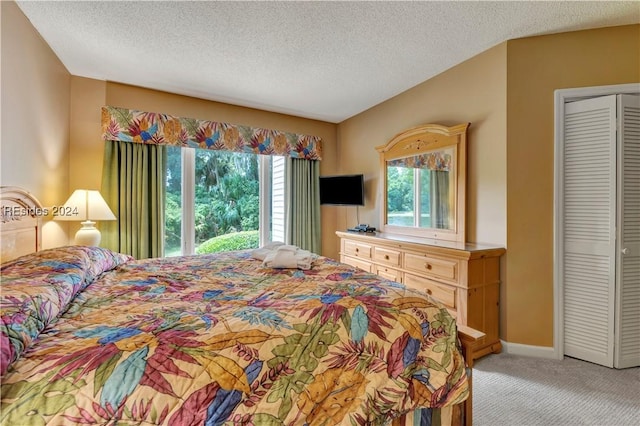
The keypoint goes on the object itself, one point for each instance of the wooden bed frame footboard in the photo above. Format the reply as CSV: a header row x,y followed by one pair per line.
x,y
462,414
468,338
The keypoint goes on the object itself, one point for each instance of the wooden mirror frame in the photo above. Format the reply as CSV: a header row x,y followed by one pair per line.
x,y
420,140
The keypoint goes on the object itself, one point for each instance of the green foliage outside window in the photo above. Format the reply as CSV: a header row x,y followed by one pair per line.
x,y
401,193
227,197
399,189
235,241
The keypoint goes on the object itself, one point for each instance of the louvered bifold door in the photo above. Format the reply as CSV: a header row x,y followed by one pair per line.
x,y
588,203
627,323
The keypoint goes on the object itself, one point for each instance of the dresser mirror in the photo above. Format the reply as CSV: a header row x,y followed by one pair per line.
x,y
424,182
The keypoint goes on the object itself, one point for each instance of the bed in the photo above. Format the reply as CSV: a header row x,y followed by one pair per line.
x,y
90,336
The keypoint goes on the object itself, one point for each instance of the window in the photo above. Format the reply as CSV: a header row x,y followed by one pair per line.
x,y
211,194
408,204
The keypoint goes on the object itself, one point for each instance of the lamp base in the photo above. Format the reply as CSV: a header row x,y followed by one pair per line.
x,y
88,235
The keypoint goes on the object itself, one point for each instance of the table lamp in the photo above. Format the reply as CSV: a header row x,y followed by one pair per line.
x,y
87,206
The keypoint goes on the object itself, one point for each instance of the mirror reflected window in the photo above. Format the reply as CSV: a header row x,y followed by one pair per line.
x,y
400,196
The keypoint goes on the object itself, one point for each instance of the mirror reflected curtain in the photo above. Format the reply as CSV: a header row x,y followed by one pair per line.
x,y
441,206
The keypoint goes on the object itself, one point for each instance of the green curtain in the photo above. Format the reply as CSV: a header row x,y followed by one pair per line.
x,y
302,181
133,184
440,208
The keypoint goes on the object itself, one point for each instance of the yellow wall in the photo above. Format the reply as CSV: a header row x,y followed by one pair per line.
x,y
475,92
34,145
85,156
536,67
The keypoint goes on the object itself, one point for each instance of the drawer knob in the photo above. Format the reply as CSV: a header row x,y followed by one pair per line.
x,y
386,257
429,292
428,266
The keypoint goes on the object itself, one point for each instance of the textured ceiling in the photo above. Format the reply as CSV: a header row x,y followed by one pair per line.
x,y
322,60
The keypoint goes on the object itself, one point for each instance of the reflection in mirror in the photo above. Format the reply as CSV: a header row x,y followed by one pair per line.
x,y
420,190
424,182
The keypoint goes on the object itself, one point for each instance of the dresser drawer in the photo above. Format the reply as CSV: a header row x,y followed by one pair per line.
x,y
388,273
356,249
386,256
432,266
440,292
356,262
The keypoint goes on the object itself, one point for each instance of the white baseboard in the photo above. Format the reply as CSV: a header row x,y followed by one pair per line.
x,y
529,350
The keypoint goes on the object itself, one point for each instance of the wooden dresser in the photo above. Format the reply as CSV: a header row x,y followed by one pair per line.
x,y
464,277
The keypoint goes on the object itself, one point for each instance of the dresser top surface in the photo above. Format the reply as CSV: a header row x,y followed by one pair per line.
x,y
406,239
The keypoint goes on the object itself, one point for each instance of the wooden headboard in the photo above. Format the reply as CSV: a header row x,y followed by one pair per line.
x,y
20,223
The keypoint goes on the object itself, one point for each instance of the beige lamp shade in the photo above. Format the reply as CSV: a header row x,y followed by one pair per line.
x,y
87,206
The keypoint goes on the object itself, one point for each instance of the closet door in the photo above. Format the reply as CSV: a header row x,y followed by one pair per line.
x,y
588,203
627,324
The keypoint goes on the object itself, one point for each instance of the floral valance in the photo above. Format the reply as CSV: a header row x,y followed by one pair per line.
x,y
161,129
438,161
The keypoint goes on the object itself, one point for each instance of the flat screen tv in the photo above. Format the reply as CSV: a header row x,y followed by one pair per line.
x,y
346,190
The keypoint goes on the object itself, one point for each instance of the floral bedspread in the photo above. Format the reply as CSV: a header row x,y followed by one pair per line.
x,y
94,337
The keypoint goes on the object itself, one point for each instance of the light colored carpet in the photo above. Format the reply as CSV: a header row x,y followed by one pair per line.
x,y
510,390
